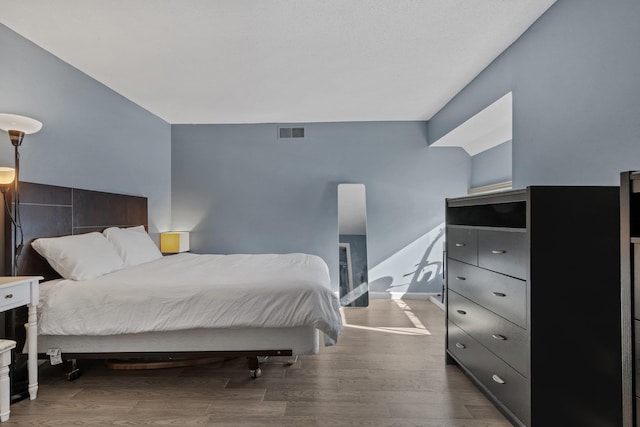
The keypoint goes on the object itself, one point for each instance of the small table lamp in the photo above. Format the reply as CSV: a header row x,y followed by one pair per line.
x,y
7,175
173,242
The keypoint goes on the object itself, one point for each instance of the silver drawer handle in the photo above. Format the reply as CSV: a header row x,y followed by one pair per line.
x,y
460,245
461,311
499,337
500,294
460,345
7,296
498,379
460,278
498,251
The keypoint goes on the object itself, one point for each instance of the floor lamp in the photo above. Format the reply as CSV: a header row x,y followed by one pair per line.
x,y
17,127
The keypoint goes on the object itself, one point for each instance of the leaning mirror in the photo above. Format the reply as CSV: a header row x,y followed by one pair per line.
x,y
352,245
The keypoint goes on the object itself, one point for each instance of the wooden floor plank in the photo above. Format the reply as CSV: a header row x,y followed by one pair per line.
x,y
313,395
217,421
340,409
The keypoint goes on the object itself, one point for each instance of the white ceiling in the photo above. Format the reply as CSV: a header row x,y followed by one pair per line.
x,y
277,61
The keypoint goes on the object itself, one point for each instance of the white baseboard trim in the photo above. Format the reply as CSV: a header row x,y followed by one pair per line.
x,y
401,295
436,301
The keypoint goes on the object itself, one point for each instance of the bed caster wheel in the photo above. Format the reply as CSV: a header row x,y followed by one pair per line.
x,y
255,373
73,375
72,372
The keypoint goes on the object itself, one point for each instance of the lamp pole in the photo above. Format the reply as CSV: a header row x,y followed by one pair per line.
x,y
16,137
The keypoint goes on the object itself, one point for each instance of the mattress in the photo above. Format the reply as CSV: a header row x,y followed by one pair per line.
x,y
189,291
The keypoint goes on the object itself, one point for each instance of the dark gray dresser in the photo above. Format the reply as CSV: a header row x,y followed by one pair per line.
x,y
630,272
533,302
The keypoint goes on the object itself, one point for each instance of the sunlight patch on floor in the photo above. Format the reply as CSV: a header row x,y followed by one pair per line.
x,y
418,329
412,317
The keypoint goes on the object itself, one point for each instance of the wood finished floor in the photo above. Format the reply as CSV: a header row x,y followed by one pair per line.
x,y
383,372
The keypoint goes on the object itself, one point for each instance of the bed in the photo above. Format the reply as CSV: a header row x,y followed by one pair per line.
x,y
172,307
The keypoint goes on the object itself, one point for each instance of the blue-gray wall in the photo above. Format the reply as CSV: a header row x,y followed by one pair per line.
x,y
576,95
240,189
491,166
92,137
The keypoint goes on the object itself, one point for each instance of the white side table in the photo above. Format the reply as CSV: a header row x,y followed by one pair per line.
x,y
5,387
17,292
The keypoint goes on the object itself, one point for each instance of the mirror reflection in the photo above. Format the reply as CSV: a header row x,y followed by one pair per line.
x,y
352,246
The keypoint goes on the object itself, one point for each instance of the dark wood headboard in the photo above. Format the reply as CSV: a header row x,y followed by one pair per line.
x,y
50,211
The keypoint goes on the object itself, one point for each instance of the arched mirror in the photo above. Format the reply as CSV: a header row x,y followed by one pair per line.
x,y
352,245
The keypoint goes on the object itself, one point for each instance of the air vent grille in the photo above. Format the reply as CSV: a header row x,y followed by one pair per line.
x,y
290,132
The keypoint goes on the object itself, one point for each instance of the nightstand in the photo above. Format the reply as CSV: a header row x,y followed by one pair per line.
x,y
5,387
17,292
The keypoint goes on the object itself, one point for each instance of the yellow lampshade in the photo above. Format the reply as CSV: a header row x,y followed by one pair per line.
x,y
173,242
7,175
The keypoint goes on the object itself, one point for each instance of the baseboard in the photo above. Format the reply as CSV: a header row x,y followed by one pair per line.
x,y
436,301
401,295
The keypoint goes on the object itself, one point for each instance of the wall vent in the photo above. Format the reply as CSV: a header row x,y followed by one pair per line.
x,y
290,132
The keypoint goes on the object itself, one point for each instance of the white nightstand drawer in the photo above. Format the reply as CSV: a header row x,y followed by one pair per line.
x,y
14,296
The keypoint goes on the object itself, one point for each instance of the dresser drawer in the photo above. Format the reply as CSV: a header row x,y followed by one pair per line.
x,y
503,251
507,340
504,295
14,296
502,381
462,244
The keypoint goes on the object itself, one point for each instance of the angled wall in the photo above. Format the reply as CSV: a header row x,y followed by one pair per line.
x,y
492,166
576,97
92,137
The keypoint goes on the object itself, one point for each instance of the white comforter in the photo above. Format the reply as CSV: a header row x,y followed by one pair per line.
x,y
187,291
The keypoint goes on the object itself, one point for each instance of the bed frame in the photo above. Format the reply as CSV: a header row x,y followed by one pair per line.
x,y
49,211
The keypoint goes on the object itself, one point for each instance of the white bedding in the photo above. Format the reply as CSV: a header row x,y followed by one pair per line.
x,y
187,291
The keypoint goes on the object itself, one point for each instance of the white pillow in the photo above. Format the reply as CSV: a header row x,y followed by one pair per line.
x,y
133,245
80,256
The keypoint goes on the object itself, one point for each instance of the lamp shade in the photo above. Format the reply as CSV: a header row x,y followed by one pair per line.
x,y
7,175
173,242
20,123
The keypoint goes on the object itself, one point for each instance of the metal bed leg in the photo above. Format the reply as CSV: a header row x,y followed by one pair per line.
x,y
254,367
71,370
292,360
